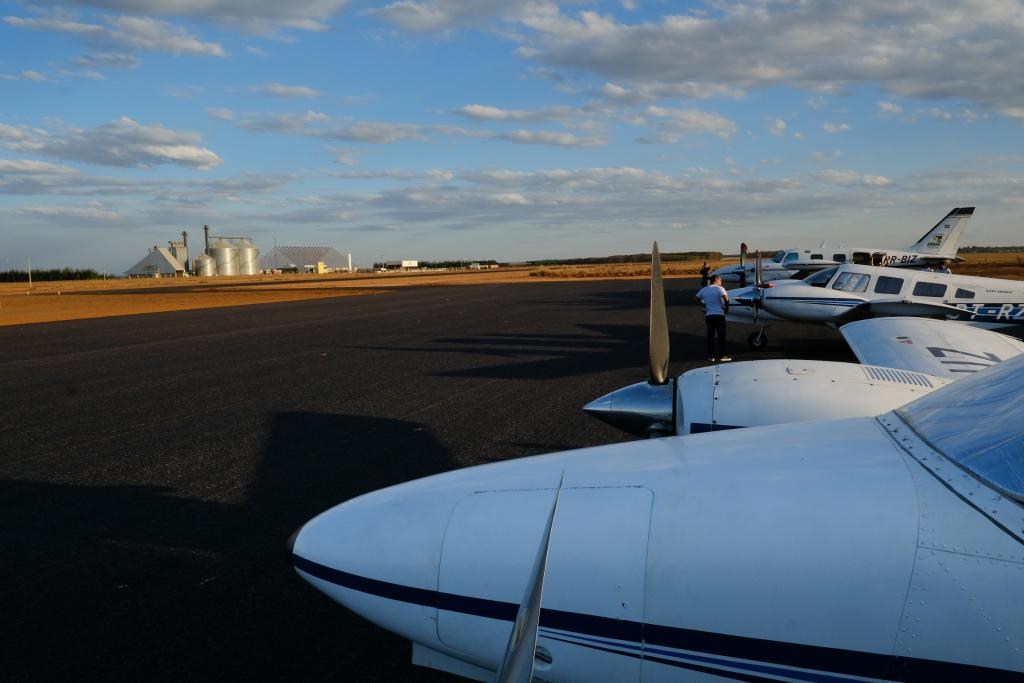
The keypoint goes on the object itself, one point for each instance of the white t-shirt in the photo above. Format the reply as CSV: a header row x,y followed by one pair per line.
x,y
712,298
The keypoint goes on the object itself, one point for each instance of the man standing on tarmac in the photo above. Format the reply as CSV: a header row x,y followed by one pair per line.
x,y
716,305
704,275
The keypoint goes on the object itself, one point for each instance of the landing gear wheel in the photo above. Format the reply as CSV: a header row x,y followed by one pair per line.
x,y
758,341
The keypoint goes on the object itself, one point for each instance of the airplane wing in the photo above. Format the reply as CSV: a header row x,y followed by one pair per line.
x,y
908,307
935,347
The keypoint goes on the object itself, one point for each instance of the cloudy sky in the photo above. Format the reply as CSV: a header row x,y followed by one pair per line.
x,y
508,129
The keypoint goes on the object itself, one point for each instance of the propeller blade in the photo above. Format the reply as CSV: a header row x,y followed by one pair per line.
x,y
517,666
758,285
659,344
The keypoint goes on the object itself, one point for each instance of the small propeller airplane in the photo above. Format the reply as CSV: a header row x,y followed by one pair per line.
x,y
894,554
938,246
849,292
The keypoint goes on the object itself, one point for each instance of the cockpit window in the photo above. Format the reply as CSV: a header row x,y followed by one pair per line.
x,y
852,282
791,256
821,278
976,424
778,257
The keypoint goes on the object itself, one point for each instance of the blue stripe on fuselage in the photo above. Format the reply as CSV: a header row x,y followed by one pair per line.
x,y
826,660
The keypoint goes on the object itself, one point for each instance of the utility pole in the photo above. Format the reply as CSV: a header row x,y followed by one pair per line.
x,y
30,272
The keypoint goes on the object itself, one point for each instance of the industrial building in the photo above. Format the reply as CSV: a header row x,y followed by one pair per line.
x,y
223,257
402,265
159,262
306,260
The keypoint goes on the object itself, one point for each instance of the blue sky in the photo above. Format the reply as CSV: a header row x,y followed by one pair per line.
x,y
512,129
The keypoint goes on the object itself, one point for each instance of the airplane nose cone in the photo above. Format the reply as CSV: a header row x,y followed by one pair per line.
x,y
378,555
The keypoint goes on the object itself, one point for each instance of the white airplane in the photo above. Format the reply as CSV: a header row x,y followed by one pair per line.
x,y
938,246
849,292
893,552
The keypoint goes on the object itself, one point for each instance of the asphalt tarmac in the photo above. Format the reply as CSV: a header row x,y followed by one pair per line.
x,y
152,467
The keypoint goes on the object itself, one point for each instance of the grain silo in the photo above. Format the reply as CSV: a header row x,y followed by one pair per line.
x,y
225,255
204,266
248,257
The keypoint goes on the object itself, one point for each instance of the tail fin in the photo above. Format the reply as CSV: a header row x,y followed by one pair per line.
x,y
944,238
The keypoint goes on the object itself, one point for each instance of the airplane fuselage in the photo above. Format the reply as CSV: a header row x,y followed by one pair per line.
x,y
694,556
792,262
834,296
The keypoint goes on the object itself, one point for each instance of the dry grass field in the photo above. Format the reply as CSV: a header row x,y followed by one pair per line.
x,y
53,301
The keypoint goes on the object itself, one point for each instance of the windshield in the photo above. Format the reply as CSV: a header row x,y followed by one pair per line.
x,y
821,278
977,425
791,256
852,282
778,257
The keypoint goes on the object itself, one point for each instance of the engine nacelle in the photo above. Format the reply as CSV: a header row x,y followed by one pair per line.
x,y
764,392
760,392
809,304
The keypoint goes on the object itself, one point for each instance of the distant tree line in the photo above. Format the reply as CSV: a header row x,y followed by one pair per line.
x,y
52,274
988,250
631,258
457,264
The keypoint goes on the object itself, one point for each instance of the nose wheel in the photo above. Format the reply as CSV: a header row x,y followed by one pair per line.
x,y
758,340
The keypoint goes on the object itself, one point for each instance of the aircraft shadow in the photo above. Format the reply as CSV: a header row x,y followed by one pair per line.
x,y
136,583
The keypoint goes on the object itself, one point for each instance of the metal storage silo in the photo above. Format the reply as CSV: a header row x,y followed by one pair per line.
x,y
248,257
204,266
225,255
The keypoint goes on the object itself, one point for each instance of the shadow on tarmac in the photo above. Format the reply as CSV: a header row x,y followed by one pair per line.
x,y
137,583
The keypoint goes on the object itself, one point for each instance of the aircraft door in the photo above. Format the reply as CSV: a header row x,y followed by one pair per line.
x,y
593,590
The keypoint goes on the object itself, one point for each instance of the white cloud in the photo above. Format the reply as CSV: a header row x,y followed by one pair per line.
x,y
131,32
221,113
320,125
889,108
445,15
838,177
90,212
108,60
692,121
483,112
287,91
547,137
29,166
777,127
123,142
345,156
30,75
934,50
825,156
835,127
255,16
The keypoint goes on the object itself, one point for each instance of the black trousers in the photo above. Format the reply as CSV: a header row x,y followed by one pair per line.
x,y
716,327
